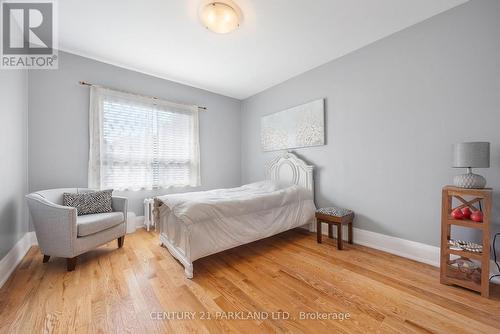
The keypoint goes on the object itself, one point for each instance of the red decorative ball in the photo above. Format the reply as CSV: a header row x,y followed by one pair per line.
x,y
477,216
457,214
466,212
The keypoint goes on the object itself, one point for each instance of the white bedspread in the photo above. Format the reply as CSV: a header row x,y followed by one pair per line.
x,y
202,223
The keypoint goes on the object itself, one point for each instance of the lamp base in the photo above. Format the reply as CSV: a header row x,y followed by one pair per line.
x,y
469,181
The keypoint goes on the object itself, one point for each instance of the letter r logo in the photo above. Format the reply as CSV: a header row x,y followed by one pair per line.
x,y
27,28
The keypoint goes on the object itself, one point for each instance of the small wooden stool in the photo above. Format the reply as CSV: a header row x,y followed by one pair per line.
x,y
335,216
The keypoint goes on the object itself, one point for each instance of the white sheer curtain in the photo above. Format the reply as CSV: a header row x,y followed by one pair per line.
x,y
138,142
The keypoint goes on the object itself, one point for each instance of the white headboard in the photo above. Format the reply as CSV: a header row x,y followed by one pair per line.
x,y
289,169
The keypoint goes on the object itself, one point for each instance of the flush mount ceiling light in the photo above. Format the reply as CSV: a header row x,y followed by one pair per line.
x,y
220,17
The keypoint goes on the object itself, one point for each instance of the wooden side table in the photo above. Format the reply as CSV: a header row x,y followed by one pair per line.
x,y
467,198
338,217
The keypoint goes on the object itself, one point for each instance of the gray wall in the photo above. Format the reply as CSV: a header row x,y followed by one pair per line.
x,y
13,168
58,125
393,109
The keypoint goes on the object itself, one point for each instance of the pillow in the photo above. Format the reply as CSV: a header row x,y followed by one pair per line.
x,y
89,203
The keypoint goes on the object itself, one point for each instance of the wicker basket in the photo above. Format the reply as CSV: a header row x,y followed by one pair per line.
x,y
464,269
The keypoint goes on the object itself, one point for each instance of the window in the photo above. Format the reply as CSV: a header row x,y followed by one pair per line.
x,y
141,143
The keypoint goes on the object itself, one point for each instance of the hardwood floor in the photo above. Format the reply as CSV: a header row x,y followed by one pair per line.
x,y
133,288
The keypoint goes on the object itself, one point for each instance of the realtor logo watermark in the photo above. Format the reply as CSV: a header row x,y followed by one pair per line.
x,y
29,39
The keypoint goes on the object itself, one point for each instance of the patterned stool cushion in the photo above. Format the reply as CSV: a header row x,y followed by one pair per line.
x,y
334,211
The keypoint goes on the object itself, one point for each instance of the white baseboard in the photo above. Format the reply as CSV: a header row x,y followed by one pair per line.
x,y
32,235
405,248
139,221
10,261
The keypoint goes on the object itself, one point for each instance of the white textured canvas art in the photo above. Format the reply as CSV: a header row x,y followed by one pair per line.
x,y
300,126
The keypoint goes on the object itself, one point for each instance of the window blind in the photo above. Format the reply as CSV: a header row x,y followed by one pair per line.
x,y
140,143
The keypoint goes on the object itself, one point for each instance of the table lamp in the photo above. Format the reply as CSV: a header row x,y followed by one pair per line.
x,y
469,155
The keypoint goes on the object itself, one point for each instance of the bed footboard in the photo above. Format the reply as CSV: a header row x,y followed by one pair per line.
x,y
160,215
188,266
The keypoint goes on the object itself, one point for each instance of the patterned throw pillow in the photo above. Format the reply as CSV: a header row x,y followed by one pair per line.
x,y
89,203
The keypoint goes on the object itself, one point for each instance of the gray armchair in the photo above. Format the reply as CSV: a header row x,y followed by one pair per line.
x,y
60,232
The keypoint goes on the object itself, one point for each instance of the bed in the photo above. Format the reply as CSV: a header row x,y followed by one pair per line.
x,y
197,224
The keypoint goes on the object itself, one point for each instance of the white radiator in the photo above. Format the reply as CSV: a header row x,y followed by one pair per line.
x,y
148,213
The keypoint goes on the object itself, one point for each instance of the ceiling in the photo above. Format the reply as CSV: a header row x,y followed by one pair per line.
x,y
277,40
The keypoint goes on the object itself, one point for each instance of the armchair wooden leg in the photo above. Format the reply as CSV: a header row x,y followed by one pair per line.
x,y
71,263
121,240
46,258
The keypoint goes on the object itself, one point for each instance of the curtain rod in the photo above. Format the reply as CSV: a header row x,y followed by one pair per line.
x,y
84,83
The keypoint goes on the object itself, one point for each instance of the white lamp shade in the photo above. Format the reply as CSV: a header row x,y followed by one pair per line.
x,y
472,154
